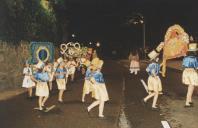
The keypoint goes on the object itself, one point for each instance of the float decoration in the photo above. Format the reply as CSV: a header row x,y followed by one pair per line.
x,y
72,49
175,45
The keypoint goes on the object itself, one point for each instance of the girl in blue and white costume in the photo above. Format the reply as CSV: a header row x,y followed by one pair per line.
x,y
42,91
87,84
190,75
99,91
154,83
61,81
27,81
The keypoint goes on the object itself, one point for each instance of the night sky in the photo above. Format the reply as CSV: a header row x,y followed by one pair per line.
x,y
105,20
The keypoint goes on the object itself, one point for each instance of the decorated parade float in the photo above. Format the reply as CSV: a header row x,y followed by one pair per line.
x,y
83,55
175,45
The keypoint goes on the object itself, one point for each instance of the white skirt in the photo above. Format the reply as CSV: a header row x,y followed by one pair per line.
x,y
135,65
87,88
71,70
27,82
42,89
190,77
61,84
154,84
100,92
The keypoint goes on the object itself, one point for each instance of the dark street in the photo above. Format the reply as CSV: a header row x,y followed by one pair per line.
x,y
18,112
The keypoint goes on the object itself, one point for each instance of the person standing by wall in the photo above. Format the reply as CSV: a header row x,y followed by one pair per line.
x,y
27,81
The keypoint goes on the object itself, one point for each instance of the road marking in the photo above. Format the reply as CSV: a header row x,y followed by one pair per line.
x,y
165,124
144,84
123,121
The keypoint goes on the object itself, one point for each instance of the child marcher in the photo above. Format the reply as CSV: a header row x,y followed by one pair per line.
x,y
87,84
49,69
134,64
190,75
27,81
99,91
154,83
41,78
71,68
61,81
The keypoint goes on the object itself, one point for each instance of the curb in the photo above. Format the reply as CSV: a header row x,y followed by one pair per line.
x,y
9,94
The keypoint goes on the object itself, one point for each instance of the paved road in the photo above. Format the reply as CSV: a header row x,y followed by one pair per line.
x,y
18,112
171,103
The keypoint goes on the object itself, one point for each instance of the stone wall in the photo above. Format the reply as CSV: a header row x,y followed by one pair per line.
x,y
12,58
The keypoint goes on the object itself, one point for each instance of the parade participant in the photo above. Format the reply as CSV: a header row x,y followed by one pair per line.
x,y
54,67
41,78
71,68
66,68
87,83
82,66
60,80
27,81
87,88
154,83
134,64
49,69
190,75
99,90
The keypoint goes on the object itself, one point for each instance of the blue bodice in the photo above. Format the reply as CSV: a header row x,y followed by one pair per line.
x,y
43,76
60,76
98,77
153,69
190,62
88,74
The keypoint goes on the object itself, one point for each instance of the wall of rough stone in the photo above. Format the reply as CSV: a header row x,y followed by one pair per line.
x,y
12,58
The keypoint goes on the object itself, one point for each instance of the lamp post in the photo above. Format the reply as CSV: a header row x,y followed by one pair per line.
x,y
143,31
73,37
136,19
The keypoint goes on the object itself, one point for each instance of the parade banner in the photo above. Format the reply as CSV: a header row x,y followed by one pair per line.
x,y
175,45
176,42
42,51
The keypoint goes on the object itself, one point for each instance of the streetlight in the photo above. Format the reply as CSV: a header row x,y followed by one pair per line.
x,y
73,35
98,44
136,19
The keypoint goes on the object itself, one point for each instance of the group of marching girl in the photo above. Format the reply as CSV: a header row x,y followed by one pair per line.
x,y
189,77
42,74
